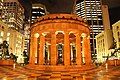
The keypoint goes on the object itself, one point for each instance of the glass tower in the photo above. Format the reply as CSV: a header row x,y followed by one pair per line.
x,y
37,11
91,11
1,6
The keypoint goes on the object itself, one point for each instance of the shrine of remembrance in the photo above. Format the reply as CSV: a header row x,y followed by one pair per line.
x,y
60,42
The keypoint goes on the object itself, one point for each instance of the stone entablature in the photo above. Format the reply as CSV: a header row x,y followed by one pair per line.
x,y
61,19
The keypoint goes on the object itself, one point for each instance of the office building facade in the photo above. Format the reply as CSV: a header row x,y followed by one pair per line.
x,y
13,14
116,35
14,38
1,6
37,11
11,28
27,37
91,11
103,45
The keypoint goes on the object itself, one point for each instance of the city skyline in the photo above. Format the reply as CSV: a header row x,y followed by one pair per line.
x,y
54,6
91,11
59,45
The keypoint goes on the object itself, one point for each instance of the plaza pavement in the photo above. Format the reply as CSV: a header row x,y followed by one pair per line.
x,y
22,73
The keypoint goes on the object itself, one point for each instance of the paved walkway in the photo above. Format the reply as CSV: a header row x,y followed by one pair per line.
x,y
21,73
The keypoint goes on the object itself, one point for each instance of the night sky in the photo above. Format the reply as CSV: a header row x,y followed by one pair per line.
x,y
66,6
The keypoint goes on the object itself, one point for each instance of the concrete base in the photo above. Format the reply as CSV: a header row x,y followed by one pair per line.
x,y
6,62
74,68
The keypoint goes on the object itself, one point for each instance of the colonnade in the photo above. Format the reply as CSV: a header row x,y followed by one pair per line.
x,y
37,49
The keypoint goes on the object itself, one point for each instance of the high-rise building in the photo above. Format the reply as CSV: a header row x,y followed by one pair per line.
x,y
91,11
13,14
14,38
11,28
1,6
37,11
27,36
104,40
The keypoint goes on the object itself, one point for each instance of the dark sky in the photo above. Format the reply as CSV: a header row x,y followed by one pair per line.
x,y
66,6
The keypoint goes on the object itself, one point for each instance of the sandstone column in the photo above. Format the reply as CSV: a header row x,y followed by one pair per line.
x,y
89,60
41,49
48,56
86,50
53,55
71,54
78,49
33,49
66,49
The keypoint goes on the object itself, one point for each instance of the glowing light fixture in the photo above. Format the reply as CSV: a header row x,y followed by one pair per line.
x,y
36,35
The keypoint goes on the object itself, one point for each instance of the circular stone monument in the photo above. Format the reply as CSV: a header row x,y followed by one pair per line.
x,y
60,42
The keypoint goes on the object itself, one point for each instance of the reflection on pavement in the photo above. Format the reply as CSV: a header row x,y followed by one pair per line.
x,y
20,73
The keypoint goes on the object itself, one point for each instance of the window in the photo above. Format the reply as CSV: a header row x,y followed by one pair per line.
x,y
118,34
0,40
8,34
1,33
119,39
8,39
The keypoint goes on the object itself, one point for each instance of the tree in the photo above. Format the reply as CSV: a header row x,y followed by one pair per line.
x,y
114,46
5,51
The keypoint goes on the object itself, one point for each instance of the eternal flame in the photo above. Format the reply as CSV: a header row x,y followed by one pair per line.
x,y
60,42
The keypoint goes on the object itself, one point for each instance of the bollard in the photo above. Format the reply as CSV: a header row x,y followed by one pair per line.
x,y
14,66
106,66
115,62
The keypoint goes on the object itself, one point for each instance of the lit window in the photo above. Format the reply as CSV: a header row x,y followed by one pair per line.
x,y
33,17
16,45
41,7
0,40
35,12
12,26
16,28
8,38
8,34
35,7
42,13
2,33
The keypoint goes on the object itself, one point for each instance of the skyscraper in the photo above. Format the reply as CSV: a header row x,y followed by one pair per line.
x,y
1,5
91,11
11,23
37,11
13,14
